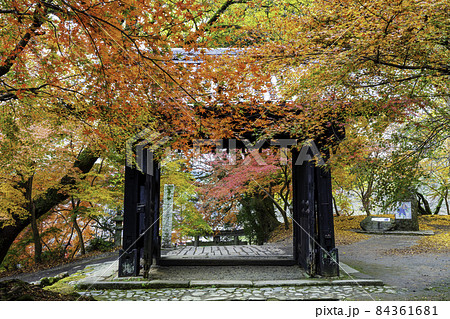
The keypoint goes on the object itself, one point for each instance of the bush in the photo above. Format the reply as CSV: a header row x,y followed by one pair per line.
x,y
11,261
257,215
57,253
99,244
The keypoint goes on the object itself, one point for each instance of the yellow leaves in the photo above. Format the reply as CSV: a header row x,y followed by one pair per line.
x,y
12,201
345,237
343,226
435,221
346,38
280,233
347,222
437,243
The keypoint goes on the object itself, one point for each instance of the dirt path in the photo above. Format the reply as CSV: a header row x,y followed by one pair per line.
x,y
70,268
423,276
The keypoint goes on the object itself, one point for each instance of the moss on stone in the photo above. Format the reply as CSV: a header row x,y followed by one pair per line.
x,y
66,285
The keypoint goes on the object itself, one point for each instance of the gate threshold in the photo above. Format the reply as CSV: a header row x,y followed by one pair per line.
x,y
244,261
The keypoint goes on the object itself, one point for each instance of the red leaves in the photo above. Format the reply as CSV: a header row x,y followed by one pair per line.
x,y
227,184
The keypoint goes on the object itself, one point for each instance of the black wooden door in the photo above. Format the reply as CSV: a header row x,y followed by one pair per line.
x,y
304,219
314,245
133,211
327,254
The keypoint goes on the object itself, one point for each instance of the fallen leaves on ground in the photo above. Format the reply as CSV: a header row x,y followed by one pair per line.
x,y
343,229
437,243
343,226
434,221
280,233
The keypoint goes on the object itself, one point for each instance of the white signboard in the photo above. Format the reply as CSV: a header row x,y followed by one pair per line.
x,y
381,219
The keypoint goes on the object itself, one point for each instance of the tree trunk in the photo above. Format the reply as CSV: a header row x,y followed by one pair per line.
x,y
79,234
446,202
365,197
36,236
439,205
43,203
33,220
75,210
285,197
69,242
425,210
285,220
280,209
335,206
283,214
366,204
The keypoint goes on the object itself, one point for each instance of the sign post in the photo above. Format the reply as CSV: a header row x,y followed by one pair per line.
x,y
166,239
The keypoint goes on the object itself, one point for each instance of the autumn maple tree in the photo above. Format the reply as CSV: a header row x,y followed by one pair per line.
x,y
246,189
104,66
290,68
70,62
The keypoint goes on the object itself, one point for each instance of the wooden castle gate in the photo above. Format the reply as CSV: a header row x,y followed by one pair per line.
x,y
313,231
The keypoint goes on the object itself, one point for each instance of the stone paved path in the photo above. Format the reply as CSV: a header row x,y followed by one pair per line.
x,y
226,251
244,294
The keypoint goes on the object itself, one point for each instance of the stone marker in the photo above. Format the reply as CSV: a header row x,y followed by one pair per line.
x,y
406,217
371,223
166,238
118,230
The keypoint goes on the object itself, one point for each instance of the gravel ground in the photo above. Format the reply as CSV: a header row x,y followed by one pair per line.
x,y
424,276
227,273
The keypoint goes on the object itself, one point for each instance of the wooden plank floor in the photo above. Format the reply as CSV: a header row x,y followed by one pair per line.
x,y
247,251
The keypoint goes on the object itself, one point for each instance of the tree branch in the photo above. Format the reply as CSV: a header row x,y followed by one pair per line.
x,y
9,61
14,11
10,95
391,81
45,202
221,10
445,69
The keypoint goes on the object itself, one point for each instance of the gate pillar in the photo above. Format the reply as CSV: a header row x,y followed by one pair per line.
x,y
141,217
313,230
327,257
152,239
304,219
